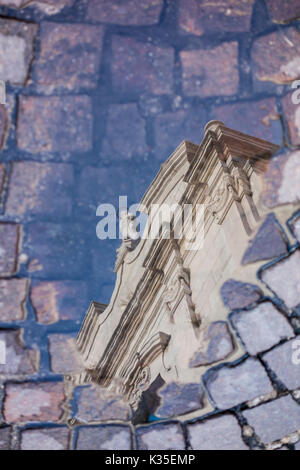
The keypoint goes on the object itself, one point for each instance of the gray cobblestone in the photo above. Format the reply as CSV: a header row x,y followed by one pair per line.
x,y
282,360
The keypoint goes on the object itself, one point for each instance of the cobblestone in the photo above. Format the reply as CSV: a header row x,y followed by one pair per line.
x,y
45,439
236,294
108,437
9,241
160,437
282,361
216,344
132,12
64,355
13,294
283,11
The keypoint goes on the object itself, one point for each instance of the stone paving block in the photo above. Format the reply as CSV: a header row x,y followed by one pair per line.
x,y
177,399
270,66
274,420
160,437
200,75
9,241
56,250
13,294
125,133
59,300
261,328
49,7
139,67
172,128
55,124
3,130
222,15
16,50
64,356
40,189
231,386
297,446
296,228
257,118
108,437
281,180
283,11
291,110
131,12
2,170
69,57
268,243
45,439
284,279
18,359
5,438
27,402
215,345
236,294
94,404
221,433
283,360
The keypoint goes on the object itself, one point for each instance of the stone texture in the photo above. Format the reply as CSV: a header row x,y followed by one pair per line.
x,y
69,57
96,404
200,75
172,128
281,180
177,399
125,133
108,437
297,446
49,7
275,420
59,300
269,65
160,437
9,240
284,279
25,402
45,439
268,243
13,294
283,11
296,228
2,170
261,328
236,294
18,360
257,118
64,357
139,67
55,124
207,17
5,438
221,433
291,109
40,189
215,345
281,361
56,250
16,50
231,386
131,12
3,129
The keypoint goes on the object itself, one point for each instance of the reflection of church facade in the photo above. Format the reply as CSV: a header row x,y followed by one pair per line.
x,y
166,321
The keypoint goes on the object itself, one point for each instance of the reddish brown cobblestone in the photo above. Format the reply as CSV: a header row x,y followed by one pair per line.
x,y
9,240
222,15
283,11
59,300
270,65
131,12
125,133
27,402
45,439
69,56
201,76
258,118
18,359
16,50
55,124
64,355
39,189
97,404
13,293
139,67
291,109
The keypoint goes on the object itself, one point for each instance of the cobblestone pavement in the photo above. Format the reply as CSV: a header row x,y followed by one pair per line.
x,y
98,94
